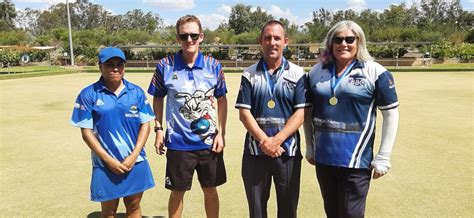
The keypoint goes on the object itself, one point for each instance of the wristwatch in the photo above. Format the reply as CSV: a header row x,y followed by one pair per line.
x,y
158,128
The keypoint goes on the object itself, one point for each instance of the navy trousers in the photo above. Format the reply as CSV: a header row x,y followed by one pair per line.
x,y
257,174
344,190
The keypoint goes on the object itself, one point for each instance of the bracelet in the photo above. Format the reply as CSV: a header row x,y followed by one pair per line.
x,y
158,128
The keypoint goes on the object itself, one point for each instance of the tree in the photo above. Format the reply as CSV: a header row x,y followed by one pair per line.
x,y
239,18
137,20
397,15
318,28
432,12
89,15
27,19
369,21
55,16
7,15
258,18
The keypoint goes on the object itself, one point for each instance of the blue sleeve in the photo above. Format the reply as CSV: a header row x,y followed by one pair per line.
x,y
145,111
221,87
300,98
244,98
385,93
82,112
157,85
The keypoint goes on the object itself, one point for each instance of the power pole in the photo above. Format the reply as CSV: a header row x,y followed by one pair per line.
x,y
70,33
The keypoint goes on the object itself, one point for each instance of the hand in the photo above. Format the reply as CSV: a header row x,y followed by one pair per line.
x,y
377,175
219,143
381,165
379,171
271,146
129,162
311,161
159,143
116,167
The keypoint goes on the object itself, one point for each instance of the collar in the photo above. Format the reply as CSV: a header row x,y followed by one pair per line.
x,y
180,64
100,86
358,64
284,62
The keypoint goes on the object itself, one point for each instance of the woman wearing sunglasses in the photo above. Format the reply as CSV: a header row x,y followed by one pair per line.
x,y
346,88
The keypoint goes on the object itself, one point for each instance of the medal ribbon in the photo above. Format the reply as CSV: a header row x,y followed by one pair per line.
x,y
336,82
270,84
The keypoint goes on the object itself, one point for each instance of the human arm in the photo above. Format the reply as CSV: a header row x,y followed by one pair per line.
x,y
113,164
219,140
294,122
256,132
143,133
308,132
159,135
381,162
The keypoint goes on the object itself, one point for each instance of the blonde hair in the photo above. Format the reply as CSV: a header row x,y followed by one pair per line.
x,y
362,52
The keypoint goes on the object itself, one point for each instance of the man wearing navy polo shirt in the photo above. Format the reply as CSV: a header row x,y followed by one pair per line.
x,y
271,104
194,85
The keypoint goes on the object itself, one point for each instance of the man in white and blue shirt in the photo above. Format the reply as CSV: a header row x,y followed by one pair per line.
x,y
196,113
271,103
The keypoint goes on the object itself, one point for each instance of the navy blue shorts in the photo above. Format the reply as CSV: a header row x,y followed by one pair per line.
x,y
106,186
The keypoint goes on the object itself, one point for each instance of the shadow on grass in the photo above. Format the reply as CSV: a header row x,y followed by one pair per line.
x,y
98,214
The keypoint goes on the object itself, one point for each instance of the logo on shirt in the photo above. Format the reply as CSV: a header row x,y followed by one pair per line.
x,y
199,108
208,75
79,106
357,80
175,76
133,112
99,102
391,84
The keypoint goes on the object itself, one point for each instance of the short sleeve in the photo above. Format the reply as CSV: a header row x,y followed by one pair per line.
x,y
300,97
244,98
221,87
157,85
146,112
82,112
385,93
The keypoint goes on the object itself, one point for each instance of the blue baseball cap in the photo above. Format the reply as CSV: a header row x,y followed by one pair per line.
x,y
110,52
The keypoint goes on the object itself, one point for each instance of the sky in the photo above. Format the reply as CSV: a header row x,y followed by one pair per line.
x,y
213,12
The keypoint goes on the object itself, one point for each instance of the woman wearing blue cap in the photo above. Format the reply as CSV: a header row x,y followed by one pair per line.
x,y
114,116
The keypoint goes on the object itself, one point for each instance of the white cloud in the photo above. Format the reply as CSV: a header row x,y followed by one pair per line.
x,y
357,5
211,21
49,2
176,5
277,13
227,9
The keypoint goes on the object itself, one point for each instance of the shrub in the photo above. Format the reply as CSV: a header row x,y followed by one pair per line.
x,y
10,57
386,51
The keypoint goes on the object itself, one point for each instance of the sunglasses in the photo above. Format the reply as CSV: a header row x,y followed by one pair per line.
x,y
348,39
184,37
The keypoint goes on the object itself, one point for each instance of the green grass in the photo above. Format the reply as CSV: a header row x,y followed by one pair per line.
x,y
33,71
45,165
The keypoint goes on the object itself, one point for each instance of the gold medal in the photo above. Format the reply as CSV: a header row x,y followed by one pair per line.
x,y
271,104
333,100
